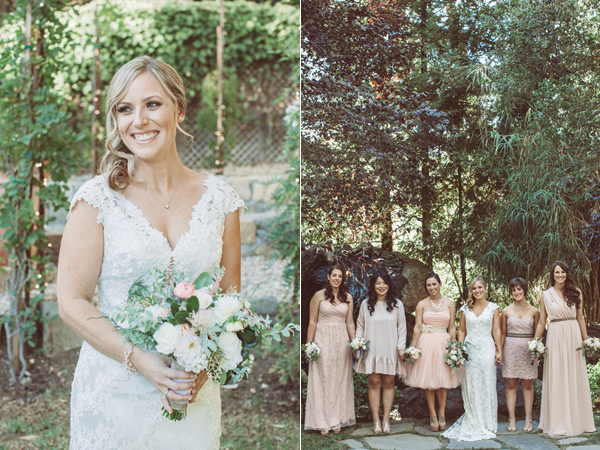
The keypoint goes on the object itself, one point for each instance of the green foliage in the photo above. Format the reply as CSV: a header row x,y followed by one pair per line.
x,y
38,154
287,366
594,377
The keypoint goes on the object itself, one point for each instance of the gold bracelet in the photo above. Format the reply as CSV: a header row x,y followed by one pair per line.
x,y
127,360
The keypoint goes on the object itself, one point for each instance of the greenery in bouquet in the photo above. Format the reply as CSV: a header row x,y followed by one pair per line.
x,y
590,346
359,344
196,324
456,355
311,351
537,349
411,354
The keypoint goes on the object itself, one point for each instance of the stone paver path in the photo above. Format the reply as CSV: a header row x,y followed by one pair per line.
x,y
413,434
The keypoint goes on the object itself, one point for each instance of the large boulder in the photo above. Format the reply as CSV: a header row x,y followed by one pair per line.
x,y
408,275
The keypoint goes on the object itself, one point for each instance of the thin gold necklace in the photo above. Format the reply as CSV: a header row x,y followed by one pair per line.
x,y
166,205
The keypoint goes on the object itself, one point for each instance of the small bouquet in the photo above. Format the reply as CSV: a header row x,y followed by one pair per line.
x,y
359,344
411,354
456,355
590,346
312,352
536,348
195,324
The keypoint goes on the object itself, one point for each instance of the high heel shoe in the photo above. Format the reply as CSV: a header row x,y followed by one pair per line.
x,y
528,426
442,423
386,427
337,430
513,427
324,432
433,423
377,427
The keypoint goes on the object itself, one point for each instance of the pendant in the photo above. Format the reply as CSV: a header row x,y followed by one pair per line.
x,y
167,206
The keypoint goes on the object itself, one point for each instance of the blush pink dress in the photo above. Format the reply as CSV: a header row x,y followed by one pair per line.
x,y
330,390
430,371
516,356
566,408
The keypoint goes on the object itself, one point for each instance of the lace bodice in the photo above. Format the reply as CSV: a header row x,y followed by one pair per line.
x,y
479,327
110,407
132,246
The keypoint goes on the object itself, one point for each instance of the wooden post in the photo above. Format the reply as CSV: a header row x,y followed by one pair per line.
x,y
220,163
96,91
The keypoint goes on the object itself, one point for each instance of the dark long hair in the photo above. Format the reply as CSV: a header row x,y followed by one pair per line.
x,y
570,291
390,298
432,275
343,290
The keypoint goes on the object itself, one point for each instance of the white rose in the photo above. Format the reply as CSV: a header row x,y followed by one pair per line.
x,y
204,298
232,350
166,338
225,307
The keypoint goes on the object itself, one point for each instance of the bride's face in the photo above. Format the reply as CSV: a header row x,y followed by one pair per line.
x,y
146,118
478,291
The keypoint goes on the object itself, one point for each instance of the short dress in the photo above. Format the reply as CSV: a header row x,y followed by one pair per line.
x,y
430,370
515,354
386,331
330,392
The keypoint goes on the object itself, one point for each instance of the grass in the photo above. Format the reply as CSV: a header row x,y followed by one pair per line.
x,y
261,432
312,440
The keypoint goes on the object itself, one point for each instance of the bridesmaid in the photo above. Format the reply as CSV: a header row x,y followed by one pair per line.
x,y
518,323
434,325
330,390
381,320
566,402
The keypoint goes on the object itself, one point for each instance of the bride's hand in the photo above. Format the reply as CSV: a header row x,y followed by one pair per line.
x,y
157,370
201,378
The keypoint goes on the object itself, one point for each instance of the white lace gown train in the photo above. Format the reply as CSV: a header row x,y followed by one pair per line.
x,y
480,420
110,407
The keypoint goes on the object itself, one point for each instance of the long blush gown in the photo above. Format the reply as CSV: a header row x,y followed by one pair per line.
x,y
566,408
479,395
330,389
112,408
430,370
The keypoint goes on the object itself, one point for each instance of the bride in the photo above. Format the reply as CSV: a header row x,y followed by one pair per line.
x,y
479,320
145,210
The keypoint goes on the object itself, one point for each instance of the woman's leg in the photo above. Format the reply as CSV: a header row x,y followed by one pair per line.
x,y
433,421
388,395
511,401
374,394
528,400
441,394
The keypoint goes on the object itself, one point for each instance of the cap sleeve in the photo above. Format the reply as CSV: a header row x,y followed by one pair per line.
x,y
94,192
231,200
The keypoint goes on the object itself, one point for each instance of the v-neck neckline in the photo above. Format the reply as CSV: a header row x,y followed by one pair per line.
x,y
160,233
482,311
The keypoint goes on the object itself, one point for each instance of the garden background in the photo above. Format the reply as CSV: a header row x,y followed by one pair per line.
x,y
460,134
52,86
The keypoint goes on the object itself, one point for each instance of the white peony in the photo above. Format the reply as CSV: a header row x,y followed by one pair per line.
x,y
166,338
226,307
190,353
234,326
203,319
204,298
232,350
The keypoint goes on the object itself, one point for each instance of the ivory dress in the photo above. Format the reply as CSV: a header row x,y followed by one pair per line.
x,y
479,395
516,357
112,408
430,370
386,331
330,389
566,408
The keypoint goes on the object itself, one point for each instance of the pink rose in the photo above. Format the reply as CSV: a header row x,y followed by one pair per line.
x,y
185,328
184,290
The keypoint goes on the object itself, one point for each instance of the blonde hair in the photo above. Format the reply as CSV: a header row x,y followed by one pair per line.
x,y
470,298
119,162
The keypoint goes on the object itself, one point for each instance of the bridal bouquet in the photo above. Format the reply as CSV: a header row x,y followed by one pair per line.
x,y
411,354
196,324
536,348
456,354
590,346
312,352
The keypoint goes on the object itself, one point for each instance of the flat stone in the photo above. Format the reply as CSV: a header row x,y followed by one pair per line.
x,y
573,440
528,442
247,231
487,443
584,447
427,431
503,427
403,442
352,443
367,430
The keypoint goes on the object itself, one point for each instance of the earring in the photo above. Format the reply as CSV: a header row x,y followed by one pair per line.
x,y
181,118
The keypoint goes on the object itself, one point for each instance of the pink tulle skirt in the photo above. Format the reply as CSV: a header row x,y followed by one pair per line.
x,y
429,371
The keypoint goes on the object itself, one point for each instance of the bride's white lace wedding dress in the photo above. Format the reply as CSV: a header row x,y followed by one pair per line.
x,y
112,408
480,420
